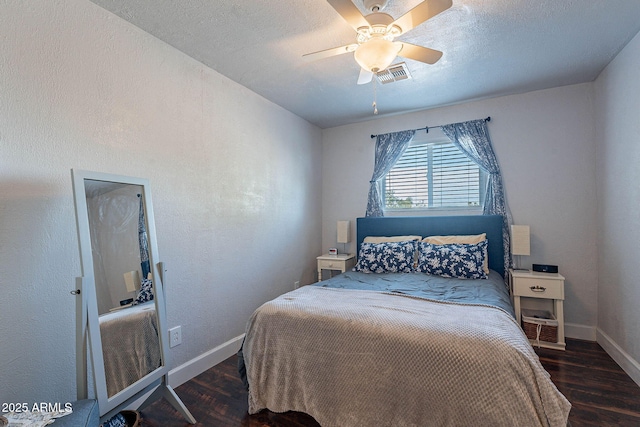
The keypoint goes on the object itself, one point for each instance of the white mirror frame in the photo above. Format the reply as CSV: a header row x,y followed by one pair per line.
x,y
88,310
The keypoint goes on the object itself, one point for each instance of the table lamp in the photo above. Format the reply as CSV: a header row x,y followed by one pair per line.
x,y
520,242
343,233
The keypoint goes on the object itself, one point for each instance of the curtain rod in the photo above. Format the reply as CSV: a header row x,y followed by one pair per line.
x,y
426,128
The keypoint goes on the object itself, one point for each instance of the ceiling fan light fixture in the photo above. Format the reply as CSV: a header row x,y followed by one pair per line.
x,y
376,54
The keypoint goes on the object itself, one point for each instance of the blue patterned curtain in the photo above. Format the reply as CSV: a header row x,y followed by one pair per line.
x,y
389,148
472,138
142,238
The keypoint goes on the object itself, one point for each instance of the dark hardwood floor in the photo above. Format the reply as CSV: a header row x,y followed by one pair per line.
x,y
600,392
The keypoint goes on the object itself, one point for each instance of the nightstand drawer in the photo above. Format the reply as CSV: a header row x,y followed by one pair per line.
x,y
538,288
326,264
342,262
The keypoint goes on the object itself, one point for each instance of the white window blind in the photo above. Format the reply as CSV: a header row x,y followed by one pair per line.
x,y
434,175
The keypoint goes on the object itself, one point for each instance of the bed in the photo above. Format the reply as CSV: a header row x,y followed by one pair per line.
x,y
402,348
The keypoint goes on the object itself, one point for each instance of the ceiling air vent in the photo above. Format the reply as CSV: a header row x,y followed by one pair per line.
x,y
394,73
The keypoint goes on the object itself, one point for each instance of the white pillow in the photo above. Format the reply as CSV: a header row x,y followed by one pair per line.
x,y
447,240
391,239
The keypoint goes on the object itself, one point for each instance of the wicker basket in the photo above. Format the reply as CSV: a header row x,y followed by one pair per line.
x,y
540,325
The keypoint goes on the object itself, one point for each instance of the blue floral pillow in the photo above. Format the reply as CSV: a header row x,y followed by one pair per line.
x,y
460,260
389,257
146,292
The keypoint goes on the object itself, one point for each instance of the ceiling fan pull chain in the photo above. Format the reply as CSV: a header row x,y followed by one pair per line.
x,y
375,105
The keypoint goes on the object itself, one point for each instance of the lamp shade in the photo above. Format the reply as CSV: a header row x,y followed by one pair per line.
x,y
520,240
376,54
343,232
132,280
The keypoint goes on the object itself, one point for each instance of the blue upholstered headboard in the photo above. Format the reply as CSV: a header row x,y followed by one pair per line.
x,y
439,226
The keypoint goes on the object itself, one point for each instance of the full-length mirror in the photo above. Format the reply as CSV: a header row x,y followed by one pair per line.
x,y
122,288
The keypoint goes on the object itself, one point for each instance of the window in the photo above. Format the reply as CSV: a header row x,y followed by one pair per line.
x,y
434,174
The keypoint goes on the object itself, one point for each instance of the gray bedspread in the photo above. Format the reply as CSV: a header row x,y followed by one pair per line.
x,y
353,357
491,291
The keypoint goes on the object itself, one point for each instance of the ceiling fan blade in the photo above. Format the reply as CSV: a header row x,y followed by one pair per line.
x,y
330,52
425,10
364,77
350,13
419,53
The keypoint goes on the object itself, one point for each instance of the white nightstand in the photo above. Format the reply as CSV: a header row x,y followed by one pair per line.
x,y
342,262
529,288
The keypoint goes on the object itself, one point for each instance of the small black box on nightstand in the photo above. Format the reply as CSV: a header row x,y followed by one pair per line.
x,y
545,268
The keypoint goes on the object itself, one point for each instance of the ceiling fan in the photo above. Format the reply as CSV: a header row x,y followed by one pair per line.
x,y
375,49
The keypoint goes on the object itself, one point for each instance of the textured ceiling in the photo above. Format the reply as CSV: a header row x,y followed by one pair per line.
x,y
491,48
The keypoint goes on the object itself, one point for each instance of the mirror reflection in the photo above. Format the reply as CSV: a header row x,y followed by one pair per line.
x,y
124,286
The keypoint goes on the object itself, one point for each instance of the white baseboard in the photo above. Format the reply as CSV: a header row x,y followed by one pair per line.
x,y
622,358
580,332
198,365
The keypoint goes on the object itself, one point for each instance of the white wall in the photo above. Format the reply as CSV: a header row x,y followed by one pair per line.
x,y
545,144
235,182
617,121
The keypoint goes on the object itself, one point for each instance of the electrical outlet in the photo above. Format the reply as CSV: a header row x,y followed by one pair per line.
x,y
175,336
296,284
